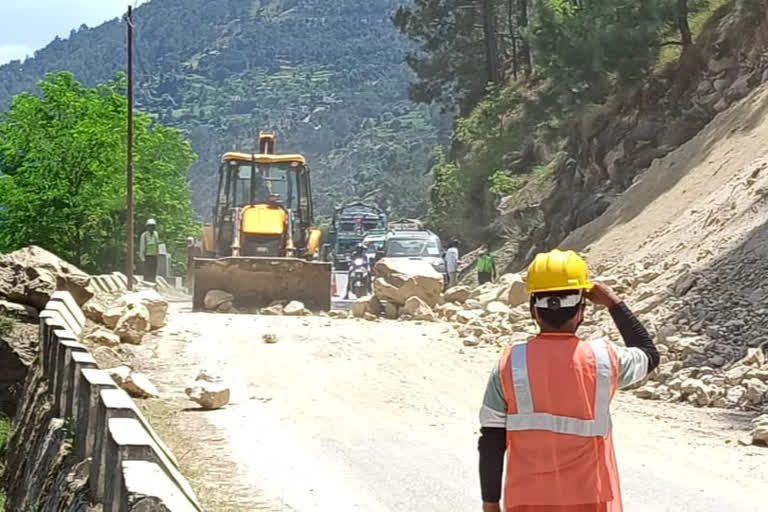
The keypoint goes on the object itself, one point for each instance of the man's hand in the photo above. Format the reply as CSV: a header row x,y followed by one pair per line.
x,y
491,507
602,295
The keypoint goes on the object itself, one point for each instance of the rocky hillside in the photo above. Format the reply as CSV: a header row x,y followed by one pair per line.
x,y
613,145
330,78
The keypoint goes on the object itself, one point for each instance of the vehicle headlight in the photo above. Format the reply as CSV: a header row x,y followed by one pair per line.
x,y
439,266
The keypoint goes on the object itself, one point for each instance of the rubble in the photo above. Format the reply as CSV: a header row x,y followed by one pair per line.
x,y
219,301
399,279
208,392
418,309
295,308
21,312
273,310
457,294
135,384
103,337
31,275
760,430
366,305
133,324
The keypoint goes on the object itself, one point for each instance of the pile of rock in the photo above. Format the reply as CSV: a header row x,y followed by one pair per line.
x,y
127,318
220,301
29,276
208,391
494,313
712,342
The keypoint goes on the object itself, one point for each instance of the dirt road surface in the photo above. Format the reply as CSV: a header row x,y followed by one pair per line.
x,y
348,415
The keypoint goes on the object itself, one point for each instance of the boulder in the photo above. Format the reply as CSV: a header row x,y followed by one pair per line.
x,y
135,384
467,315
735,396
418,309
111,316
497,307
155,304
218,300
448,310
391,310
107,357
16,356
514,290
760,430
95,308
756,390
270,338
138,385
102,337
295,308
208,392
755,358
736,374
133,324
696,391
371,305
274,310
408,278
646,391
458,294
470,342
31,275
662,392
21,312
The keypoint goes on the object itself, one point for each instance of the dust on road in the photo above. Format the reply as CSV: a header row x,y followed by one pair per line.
x,y
382,416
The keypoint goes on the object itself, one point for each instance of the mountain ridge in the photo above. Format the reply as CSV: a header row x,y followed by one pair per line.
x,y
330,79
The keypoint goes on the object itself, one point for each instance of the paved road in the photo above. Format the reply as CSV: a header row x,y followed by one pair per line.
x,y
348,415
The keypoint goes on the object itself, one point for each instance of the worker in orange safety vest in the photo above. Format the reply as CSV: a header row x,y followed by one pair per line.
x,y
547,403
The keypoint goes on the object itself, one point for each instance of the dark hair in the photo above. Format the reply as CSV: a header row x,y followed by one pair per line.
x,y
555,317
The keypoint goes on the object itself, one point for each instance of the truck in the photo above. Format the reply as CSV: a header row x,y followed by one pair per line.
x,y
350,225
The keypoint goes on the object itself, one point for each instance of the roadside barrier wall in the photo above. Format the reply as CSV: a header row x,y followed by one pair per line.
x,y
76,422
118,282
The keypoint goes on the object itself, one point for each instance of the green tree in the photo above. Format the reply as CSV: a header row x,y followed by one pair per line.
x,y
62,159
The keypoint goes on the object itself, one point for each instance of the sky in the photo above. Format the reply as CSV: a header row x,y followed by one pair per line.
x,y
26,26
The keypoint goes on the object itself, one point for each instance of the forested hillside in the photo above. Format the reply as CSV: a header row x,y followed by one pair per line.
x,y
564,103
330,77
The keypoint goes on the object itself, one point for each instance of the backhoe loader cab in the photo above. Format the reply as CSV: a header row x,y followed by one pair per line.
x,y
265,200
261,246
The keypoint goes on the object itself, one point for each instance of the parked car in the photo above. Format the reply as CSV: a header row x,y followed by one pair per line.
x,y
415,245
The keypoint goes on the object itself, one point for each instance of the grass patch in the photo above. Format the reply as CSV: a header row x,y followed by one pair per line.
x,y
697,22
5,433
6,325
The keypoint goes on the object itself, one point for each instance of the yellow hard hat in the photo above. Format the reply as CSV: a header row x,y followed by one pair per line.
x,y
558,271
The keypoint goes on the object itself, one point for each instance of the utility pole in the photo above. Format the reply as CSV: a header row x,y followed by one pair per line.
x,y
129,156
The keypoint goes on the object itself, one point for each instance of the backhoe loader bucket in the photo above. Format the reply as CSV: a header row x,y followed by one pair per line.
x,y
257,282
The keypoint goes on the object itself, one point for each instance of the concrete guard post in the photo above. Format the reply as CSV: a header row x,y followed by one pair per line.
x,y
131,466
62,360
66,299
78,362
49,321
142,479
92,381
115,403
127,440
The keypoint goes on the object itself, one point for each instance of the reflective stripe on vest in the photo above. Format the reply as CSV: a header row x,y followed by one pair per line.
x,y
527,419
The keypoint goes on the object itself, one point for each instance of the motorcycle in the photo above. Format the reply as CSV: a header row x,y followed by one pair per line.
x,y
360,277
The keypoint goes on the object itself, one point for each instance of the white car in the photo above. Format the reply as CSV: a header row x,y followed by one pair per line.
x,y
416,245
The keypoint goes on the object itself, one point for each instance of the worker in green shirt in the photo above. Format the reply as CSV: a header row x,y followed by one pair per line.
x,y
149,247
486,267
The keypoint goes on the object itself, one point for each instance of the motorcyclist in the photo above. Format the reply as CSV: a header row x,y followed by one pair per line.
x,y
358,253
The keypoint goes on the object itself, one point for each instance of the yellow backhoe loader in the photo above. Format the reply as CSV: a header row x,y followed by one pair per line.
x,y
261,246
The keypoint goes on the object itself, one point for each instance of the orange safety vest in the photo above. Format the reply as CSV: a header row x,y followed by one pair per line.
x,y
560,454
